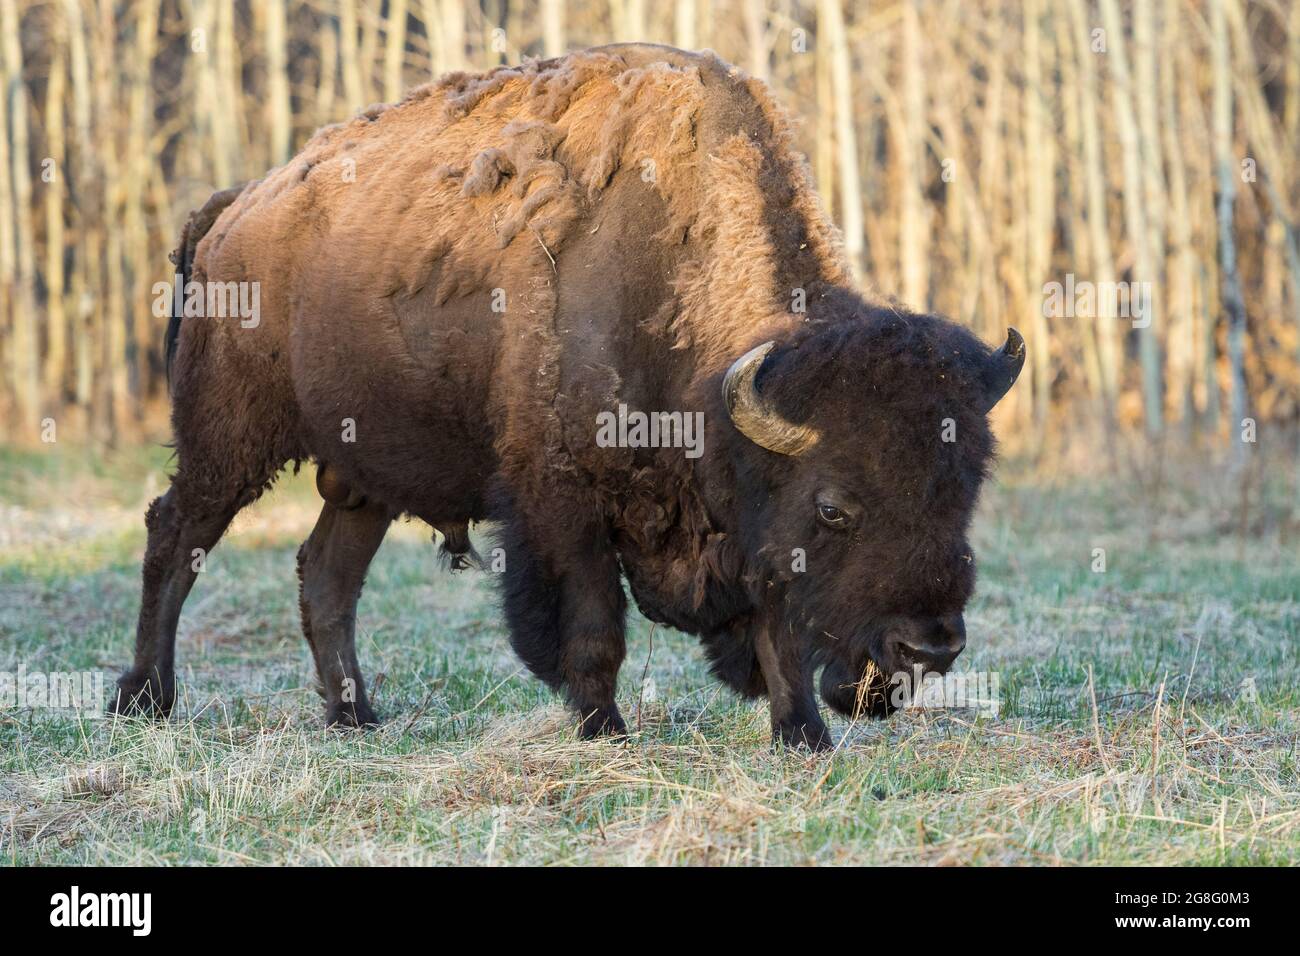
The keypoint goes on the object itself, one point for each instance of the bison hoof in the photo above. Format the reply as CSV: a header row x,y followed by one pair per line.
x,y
815,737
138,696
602,722
350,715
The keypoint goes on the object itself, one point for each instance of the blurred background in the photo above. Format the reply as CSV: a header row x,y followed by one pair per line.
x,y
993,160
974,152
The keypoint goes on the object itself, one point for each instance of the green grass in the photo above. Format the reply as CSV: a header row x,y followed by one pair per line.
x,y
1125,736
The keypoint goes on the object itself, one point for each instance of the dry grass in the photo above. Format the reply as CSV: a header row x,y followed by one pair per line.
x,y
1125,736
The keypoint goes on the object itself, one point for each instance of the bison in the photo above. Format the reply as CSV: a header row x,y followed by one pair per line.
x,y
455,289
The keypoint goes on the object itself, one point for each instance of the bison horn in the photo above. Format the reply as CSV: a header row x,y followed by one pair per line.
x,y
1002,369
752,416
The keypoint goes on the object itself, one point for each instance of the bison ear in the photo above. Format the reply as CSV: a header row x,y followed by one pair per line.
x,y
751,415
1001,370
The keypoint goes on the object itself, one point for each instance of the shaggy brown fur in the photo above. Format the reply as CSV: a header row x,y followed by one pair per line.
x,y
452,289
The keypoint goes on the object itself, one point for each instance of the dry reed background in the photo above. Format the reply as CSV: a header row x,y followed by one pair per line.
x,y
971,152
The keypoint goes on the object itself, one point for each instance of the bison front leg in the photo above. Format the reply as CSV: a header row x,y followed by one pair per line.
x,y
789,676
332,566
565,608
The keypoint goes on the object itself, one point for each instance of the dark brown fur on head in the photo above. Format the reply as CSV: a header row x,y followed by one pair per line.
x,y
903,447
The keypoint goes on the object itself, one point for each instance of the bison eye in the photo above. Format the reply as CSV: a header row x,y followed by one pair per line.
x,y
832,516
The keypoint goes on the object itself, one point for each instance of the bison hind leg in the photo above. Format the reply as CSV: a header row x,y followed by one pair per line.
x,y
332,565
183,526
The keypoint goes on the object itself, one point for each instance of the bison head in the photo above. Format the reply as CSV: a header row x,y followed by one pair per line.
x,y
865,445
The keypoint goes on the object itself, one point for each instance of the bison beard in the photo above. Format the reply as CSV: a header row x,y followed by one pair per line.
x,y
455,288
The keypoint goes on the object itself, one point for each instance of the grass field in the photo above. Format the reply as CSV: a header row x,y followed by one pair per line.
x,y
1151,713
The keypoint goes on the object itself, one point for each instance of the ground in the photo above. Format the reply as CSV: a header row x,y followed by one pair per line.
x,y
1149,711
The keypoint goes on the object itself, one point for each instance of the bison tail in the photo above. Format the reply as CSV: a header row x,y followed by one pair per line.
x,y
195,228
531,603
457,553
733,661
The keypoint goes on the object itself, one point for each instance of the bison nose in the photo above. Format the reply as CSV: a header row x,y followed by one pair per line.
x,y
934,643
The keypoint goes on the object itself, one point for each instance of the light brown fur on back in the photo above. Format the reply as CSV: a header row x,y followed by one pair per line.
x,y
465,168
